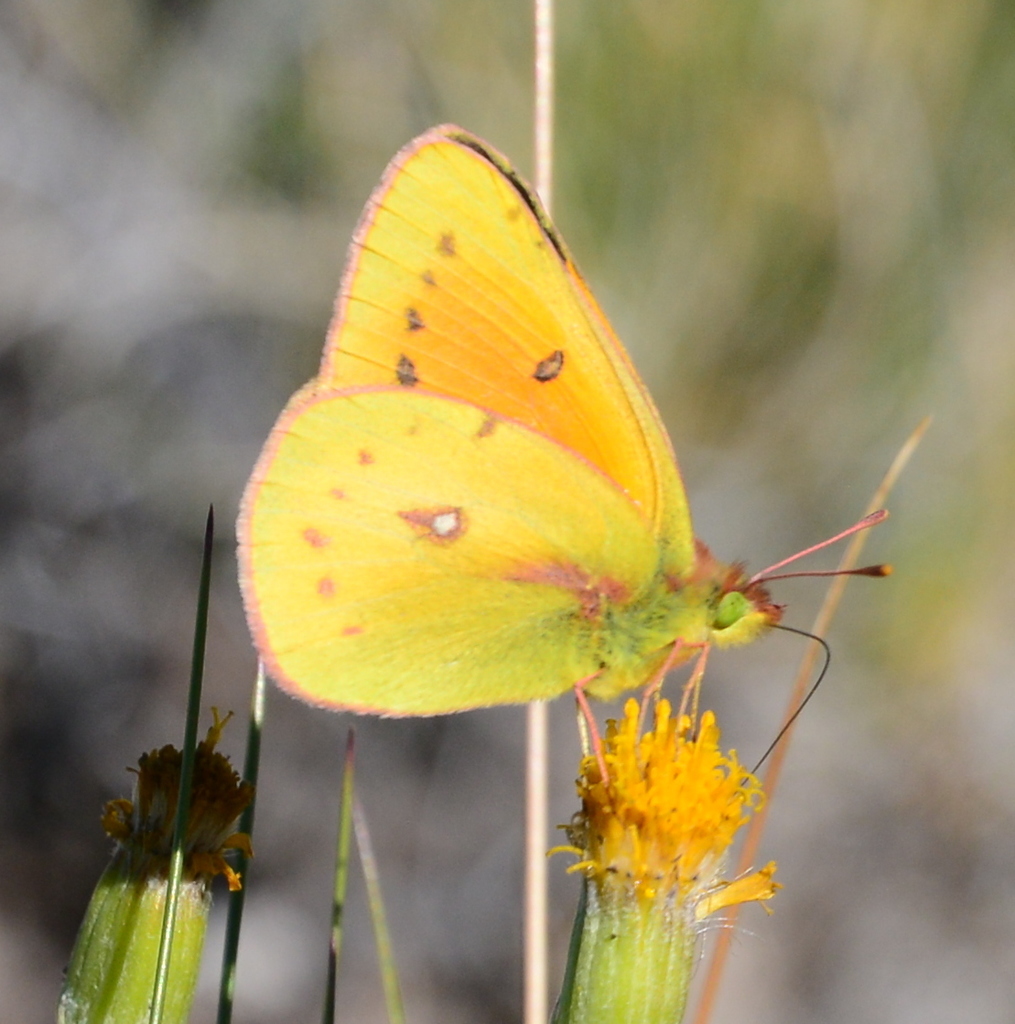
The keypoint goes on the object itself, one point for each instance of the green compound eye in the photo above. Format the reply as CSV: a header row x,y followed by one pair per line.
x,y
732,608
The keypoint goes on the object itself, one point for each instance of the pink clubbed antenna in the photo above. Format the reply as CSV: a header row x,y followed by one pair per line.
x,y
869,570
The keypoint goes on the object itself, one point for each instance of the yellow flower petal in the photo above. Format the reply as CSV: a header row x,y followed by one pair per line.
x,y
756,886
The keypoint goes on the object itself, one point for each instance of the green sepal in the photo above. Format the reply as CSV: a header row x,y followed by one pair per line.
x,y
112,970
632,960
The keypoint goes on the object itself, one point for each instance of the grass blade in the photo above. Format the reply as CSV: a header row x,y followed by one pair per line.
x,y
186,774
342,859
251,766
389,975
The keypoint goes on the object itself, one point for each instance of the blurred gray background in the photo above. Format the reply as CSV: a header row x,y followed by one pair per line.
x,y
798,213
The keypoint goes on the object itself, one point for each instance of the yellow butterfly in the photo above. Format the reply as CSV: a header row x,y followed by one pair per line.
x,y
475,501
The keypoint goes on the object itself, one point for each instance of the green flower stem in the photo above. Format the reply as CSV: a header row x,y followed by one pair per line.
x,y
633,960
112,970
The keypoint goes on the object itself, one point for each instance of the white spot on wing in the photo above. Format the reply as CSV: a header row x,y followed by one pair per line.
x,y
447,523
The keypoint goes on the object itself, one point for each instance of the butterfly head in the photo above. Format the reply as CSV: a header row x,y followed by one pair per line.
x,y
740,609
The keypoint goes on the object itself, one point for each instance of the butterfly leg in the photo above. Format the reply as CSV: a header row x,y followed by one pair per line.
x,y
587,725
651,691
692,688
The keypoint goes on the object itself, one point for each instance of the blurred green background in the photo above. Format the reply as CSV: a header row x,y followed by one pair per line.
x,y
800,215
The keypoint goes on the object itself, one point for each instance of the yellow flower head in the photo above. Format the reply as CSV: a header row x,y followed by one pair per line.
x,y
662,822
144,826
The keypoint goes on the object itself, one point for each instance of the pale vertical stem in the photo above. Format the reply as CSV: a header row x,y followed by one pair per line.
x,y
536,826
544,101
536,776
720,955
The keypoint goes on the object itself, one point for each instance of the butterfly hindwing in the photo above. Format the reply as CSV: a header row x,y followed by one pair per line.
x,y
413,554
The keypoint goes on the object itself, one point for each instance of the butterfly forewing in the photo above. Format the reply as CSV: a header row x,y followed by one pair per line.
x,y
458,285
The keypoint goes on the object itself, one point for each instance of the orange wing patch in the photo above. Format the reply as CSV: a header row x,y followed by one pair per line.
x,y
458,283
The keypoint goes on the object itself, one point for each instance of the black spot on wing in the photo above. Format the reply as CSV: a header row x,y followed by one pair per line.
x,y
406,372
550,367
